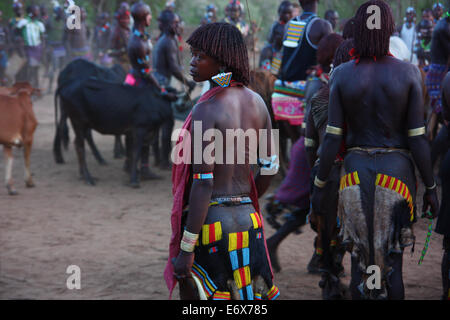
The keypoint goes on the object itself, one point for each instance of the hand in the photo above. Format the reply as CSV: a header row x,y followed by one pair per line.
x,y
317,200
191,85
182,265
170,96
431,203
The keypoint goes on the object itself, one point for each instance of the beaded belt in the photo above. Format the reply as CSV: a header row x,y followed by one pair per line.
x,y
229,201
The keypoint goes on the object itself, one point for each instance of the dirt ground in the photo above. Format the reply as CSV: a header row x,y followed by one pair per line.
x,y
119,236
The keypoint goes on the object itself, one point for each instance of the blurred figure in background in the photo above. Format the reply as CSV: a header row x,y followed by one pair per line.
x,y
56,51
4,46
332,17
33,33
408,32
102,34
438,11
210,15
120,37
234,16
425,32
271,54
76,40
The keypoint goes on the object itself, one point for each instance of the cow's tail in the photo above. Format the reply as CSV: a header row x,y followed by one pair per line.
x,y
57,152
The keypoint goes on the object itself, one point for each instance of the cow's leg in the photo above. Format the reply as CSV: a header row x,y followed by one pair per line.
x,y
129,152
119,150
57,151
28,177
138,141
146,173
156,150
9,166
166,144
79,147
94,149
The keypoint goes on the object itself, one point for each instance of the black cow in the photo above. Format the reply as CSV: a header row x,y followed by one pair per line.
x,y
70,80
113,108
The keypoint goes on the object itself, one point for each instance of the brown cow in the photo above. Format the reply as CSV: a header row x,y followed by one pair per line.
x,y
17,125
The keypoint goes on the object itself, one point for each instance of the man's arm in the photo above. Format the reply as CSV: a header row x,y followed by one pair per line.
x,y
144,63
311,140
446,97
171,53
334,133
418,143
331,144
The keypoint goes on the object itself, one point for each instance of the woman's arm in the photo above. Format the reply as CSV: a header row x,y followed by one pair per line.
x,y
267,142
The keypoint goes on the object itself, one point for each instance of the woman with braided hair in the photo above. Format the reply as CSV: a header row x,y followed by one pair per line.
x,y
217,249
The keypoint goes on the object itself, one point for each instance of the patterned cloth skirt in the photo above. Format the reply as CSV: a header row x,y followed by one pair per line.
x,y
233,264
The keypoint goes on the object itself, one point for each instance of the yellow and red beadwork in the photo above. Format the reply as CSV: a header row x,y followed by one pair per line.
x,y
349,180
238,240
211,233
256,220
398,186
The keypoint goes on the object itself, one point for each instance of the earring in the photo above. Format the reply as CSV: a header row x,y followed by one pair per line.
x,y
223,79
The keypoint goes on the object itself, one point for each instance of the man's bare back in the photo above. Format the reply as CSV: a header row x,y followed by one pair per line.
x,y
377,97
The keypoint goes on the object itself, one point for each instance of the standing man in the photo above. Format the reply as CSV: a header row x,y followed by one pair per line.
x,y
210,15
408,32
425,32
443,224
17,43
234,17
440,55
55,46
167,63
140,53
102,34
300,46
271,54
299,54
4,46
76,40
120,37
32,32
376,106
332,17
438,11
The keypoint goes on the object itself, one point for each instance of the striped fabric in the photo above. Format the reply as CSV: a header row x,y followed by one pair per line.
x,y
246,293
208,285
276,63
273,293
349,180
294,33
238,241
235,258
398,186
242,277
256,220
213,250
291,88
31,31
203,176
211,233
221,295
